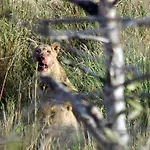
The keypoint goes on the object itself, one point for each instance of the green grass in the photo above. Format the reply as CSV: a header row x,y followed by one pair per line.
x,y
17,67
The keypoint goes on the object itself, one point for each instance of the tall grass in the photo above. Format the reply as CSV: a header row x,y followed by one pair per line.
x,y
17,67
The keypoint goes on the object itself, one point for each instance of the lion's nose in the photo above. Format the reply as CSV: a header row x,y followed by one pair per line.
x,y
38,50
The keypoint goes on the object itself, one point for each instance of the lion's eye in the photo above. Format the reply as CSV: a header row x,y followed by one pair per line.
x,y
48,51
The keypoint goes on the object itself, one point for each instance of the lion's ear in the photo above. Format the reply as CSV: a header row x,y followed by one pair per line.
x,y
56,47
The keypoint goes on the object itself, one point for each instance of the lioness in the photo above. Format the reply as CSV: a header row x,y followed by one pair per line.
x,y
48,65
62,131
59,118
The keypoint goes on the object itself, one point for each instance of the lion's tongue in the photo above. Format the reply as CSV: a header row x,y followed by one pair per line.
x,y
40,68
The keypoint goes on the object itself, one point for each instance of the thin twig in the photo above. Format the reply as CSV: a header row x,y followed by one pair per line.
x,y
84,69
138,78
89,95
89,6
80,20
81,34
139,95
140,22
124,22
144,95
132,68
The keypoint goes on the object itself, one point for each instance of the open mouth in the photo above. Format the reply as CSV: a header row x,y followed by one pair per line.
x,y
41,65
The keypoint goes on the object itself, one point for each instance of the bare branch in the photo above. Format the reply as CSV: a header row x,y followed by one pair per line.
x,y
144,95
69,34
83,34
138,78
80,34
124,22
89,115
114,99
89,6
139,22
132,68
81,20
89,95
139,95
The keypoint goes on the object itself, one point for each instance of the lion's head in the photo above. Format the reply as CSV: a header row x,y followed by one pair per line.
x,y
46,56
59,115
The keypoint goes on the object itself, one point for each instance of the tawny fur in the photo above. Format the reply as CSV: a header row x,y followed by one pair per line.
x,y
59,118
62,130
48,65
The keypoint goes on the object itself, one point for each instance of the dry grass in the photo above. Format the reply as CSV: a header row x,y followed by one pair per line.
x,y
17,67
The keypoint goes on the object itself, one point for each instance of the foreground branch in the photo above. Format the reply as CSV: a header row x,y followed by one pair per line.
x,y
114,99
89,6
90,95
138,78
66,34
90,115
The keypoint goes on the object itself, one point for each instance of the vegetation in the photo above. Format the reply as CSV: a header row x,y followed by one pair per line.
x,y
17,67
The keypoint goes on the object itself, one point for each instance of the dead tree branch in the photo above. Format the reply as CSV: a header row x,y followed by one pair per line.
x,y
82,19
89,115
140,22
89,95
114,99
138,78
89,6
66,34
138,95
122,21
